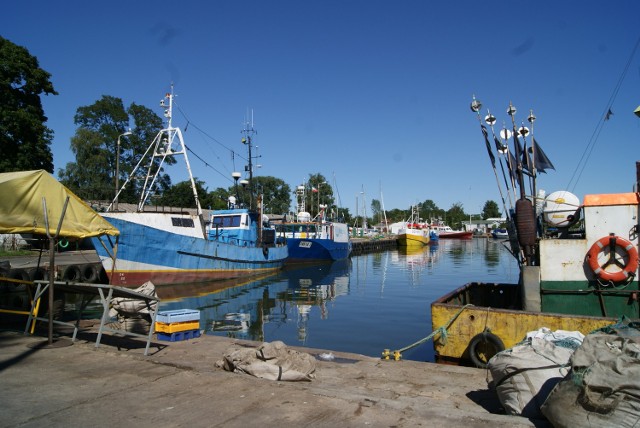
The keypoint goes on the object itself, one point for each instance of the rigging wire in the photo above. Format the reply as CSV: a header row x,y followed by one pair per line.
x,y
206,164
582,163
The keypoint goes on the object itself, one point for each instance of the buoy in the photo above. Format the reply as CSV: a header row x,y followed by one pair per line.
x,y
613,243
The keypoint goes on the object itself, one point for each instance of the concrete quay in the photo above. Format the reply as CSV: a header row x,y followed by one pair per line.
x,y
178,384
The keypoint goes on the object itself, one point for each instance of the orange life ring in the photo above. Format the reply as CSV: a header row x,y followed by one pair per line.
x,y
612,241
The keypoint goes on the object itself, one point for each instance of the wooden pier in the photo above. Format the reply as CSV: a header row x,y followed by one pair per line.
x,y
362,246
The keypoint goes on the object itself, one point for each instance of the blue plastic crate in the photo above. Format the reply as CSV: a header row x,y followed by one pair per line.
x,y
178,315
179,336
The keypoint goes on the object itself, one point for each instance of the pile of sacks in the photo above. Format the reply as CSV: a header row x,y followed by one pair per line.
x,y
572,380
271,360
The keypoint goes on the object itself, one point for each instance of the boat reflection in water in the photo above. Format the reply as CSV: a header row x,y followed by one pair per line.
x,y
244,310
416,261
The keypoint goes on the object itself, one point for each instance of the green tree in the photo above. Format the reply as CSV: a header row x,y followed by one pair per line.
x,y
276,194
95,146
322,195
490,210
24,139
456,215
430,211
181,195
217,199
376,211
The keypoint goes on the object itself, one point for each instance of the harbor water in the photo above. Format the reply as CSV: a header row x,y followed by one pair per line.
x,y
364,305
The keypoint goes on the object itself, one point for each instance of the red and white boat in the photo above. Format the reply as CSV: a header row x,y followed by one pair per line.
x,y
445,232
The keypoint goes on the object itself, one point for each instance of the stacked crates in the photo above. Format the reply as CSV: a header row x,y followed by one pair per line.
x,y
177,325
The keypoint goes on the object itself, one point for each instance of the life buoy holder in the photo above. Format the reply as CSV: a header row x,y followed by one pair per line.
x,y
612,242
483,346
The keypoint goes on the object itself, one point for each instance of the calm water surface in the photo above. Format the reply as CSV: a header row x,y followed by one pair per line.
x,y
369,303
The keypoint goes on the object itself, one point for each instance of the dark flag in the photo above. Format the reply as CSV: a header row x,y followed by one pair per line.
x,y
517,148
527,165
608,115
501,148
486,140
518,159
542,162
513,168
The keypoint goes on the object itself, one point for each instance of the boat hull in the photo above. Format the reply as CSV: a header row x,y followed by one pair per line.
x,y
413,238
496,307
149,254
456,235
500,234
313,250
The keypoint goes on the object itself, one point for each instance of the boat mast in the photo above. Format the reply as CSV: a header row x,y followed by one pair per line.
x,y
300,199
248,133
163,147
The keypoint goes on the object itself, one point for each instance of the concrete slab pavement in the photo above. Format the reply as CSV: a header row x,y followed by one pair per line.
x,y
178,384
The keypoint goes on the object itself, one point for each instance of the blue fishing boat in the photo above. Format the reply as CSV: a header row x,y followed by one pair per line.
x,y
315,240
186,246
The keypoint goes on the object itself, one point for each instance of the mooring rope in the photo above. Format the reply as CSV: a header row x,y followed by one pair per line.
x,y
442,330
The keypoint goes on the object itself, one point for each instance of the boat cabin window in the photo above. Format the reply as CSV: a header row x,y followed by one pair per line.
x,y
182,222
226,221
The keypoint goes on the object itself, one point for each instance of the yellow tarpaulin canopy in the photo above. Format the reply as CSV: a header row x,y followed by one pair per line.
x,y
21,208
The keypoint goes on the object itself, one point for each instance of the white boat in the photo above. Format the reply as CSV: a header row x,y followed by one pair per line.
x,y
446,232
500,234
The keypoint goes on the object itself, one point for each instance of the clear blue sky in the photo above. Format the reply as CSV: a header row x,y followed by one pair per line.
x,y
372,94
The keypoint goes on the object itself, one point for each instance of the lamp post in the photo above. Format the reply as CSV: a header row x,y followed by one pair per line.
x,y
115,200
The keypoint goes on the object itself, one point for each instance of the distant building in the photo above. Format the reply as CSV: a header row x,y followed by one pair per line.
x,y
483,226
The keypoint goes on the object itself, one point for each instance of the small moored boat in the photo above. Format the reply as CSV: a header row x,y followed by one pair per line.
x,y
500,234
315,240
413,234
446,232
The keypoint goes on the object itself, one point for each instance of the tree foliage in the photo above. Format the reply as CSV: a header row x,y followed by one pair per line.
x,y
490,210
95,146
181,195
25,141
317,191
376,211
456,215
276,194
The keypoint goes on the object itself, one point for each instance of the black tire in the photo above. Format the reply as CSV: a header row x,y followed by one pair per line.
x,y
38,274
482,347
89,273
19,274
71,273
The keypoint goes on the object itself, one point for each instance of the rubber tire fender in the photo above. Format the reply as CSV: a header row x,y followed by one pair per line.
x,y
488,340
72,273
38,274
19,274
89,273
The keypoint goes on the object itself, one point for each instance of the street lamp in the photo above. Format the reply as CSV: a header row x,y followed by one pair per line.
x,y
115,201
